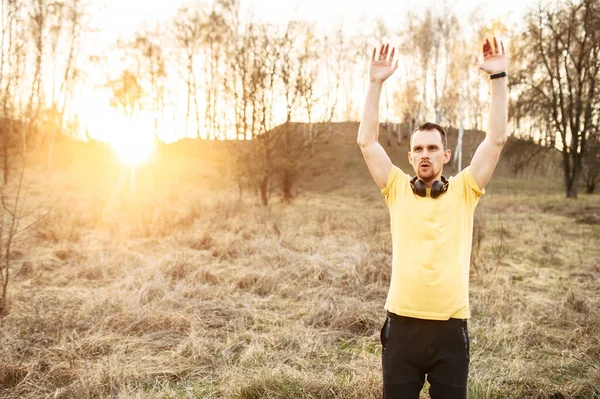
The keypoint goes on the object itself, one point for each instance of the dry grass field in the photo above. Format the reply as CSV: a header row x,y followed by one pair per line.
x,y
182,289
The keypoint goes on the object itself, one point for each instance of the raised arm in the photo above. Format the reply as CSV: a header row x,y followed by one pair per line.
x,y
487,155
378,161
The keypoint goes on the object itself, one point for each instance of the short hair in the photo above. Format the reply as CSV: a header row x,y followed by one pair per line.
x,y
431,126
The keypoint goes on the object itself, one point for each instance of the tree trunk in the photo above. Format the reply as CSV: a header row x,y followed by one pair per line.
x,y
590,187
3,310
572,181
264,191
189,100
6,152
287,186
197,109
461,130
438,113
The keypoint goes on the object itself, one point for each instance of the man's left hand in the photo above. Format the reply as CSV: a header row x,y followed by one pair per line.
x,y
494,58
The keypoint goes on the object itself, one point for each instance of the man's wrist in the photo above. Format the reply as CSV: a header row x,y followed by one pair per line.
x,y
376,83
498,75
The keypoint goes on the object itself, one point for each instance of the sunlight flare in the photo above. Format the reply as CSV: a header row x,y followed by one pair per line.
x,y
133,143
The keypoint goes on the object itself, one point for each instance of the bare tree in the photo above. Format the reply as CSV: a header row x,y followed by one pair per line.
x,y
38,17
147,51
13,52
253,84
13,216
308,70
336,45
216,32
127,93
354,67
21,71
290,76
264,77
66,26
409,101
591,163
240,89
187,32
422,38
462,96
410,98
21,67
270,64
298,73
560,54
446,59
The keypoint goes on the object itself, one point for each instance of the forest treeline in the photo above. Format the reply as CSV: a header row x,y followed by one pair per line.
x,y
223,74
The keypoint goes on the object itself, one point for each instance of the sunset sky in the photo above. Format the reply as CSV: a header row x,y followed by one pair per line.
x,y
115,17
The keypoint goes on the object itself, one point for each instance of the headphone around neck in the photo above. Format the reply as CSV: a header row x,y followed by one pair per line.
x,y
437,188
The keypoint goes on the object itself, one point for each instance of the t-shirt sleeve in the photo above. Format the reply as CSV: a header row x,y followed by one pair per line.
x,y
471,190
397,181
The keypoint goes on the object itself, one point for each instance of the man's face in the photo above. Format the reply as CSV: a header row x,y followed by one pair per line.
x,y
427,155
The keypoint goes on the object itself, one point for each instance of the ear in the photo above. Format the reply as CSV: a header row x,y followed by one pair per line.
x,y
447,155
410,158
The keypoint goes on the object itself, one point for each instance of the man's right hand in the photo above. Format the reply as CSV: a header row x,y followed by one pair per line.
x,y
382,65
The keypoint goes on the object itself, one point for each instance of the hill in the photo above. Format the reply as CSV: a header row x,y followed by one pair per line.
x,y
336,159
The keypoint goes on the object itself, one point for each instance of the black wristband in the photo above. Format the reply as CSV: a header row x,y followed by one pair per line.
x,y
498,75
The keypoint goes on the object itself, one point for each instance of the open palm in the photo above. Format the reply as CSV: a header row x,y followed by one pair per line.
x,y
382,66
494,58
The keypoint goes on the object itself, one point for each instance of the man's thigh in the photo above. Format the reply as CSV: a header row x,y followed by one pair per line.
x,y
401,391
402,359
449,373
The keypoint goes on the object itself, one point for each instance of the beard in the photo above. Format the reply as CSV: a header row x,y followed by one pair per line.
x,y
427,174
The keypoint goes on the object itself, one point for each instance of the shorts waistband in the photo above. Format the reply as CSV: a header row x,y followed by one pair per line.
x,y
413,319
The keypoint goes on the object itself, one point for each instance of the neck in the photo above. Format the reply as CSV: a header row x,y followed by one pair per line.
x,y
429,182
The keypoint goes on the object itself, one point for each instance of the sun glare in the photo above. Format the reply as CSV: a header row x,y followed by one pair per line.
x,y
133,150
131,139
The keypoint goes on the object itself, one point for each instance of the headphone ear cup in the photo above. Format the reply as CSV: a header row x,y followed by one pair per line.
x,y
418,187
436,189
439,187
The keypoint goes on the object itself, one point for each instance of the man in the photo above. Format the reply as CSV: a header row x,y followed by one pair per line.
x,y
425,332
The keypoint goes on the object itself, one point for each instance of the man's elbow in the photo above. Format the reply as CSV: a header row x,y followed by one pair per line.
x,y
500,142
364,143
499,139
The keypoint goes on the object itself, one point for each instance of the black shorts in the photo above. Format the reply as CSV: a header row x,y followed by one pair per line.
x,y
414,348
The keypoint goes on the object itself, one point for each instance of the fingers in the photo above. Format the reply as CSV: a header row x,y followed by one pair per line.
x,y
384,53
496,49
487,48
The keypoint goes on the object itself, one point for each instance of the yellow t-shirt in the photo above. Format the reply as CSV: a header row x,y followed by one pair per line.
x,y
431,241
